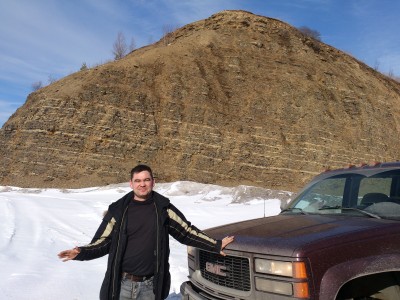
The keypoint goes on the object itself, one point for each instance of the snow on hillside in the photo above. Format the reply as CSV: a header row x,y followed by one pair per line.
x,y
36,224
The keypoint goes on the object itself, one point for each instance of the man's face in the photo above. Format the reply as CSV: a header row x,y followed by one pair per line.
x,y
142,185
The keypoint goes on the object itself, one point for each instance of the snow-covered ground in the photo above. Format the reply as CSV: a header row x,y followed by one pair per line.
x,y
36,224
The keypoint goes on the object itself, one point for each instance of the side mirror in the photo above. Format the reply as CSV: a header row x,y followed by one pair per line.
x,y
285,203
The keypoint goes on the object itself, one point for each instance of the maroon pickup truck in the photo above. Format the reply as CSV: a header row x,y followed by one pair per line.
x,y
338,239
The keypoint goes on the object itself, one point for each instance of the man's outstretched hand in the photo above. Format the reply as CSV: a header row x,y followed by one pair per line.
x,y
69,254
225,242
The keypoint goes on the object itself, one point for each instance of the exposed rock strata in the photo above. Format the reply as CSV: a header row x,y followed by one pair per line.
x,y
233,99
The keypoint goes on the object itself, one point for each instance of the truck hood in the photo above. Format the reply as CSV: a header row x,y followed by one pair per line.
x,y
297,235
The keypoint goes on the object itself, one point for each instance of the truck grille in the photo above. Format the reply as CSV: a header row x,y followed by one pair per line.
x,y
228,271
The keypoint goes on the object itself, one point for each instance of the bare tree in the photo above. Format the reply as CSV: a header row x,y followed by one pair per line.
x,y
310,32
168,35
391,74
120,47
132,45
51,79
83,67
37,85
376,66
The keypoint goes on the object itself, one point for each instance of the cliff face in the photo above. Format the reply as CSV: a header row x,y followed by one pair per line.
x,y
233,99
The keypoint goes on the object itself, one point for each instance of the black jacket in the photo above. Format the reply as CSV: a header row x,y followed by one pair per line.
x,y
111,239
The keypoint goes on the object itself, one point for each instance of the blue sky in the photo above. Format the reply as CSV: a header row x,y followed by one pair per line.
x,y
42,39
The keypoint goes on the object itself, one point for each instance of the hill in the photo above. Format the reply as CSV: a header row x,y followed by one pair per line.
x,y
236,98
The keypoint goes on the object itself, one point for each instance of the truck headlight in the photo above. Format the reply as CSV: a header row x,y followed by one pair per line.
x,y
273,286
281,268
296,289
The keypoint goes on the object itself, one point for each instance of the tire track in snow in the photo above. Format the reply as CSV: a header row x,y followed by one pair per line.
x,y
7,225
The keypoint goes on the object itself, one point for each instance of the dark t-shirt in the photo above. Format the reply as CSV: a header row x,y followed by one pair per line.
x,y
139,258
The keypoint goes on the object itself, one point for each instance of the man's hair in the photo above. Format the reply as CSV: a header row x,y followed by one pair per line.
x,y
141,168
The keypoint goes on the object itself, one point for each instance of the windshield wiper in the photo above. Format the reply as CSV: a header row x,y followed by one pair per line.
x,y
351,208
293,209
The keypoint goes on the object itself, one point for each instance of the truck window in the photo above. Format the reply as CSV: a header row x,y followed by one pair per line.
x,y
328,192
370,185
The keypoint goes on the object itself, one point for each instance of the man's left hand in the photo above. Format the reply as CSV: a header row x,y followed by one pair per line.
x,y
225,242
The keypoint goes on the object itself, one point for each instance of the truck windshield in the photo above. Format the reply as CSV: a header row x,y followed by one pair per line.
x,y
376,196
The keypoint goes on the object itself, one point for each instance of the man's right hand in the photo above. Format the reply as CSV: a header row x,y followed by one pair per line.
x,y
67,255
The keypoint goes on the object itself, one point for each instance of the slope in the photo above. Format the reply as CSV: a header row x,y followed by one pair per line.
x,y
233,99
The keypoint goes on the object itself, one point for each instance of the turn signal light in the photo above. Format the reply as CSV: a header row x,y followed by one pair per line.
x,y
300,290
299,270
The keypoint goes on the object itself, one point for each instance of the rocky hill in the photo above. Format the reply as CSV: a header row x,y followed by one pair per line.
x,y
233,99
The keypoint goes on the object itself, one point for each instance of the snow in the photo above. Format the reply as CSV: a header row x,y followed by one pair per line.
x,y
37,224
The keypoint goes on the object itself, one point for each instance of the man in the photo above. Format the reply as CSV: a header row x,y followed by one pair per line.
x,y
134,233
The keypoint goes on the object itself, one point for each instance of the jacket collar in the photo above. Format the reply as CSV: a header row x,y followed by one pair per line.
x,y
119,206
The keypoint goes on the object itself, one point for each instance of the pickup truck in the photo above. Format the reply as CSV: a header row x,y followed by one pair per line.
x,y
339,238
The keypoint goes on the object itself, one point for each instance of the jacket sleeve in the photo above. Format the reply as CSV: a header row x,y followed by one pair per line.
x,y
100,244
188,234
